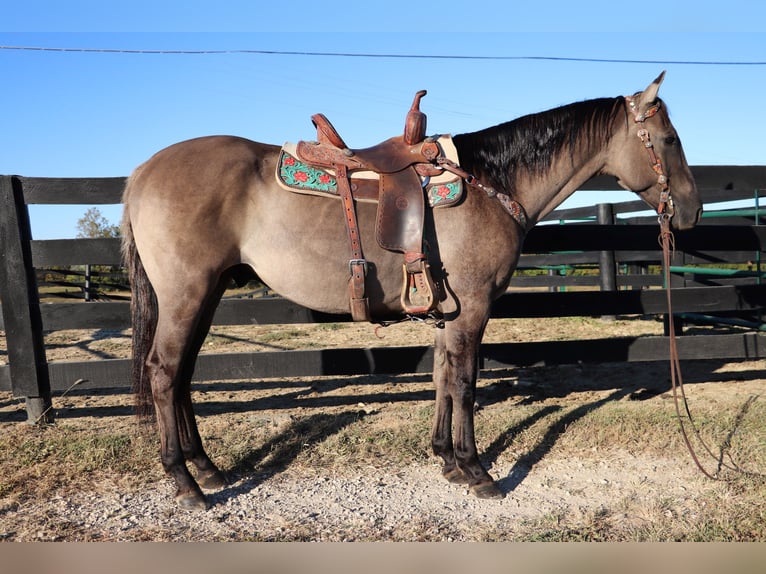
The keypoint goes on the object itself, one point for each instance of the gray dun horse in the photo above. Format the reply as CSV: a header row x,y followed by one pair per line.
x,y
199,212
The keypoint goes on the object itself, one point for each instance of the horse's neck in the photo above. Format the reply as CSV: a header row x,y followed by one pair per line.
x,y
541,194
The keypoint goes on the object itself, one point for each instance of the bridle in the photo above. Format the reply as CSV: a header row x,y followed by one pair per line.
x,y
665,211
665,206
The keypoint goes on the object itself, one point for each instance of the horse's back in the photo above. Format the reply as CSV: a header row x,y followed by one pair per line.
x,y
200,160
191,175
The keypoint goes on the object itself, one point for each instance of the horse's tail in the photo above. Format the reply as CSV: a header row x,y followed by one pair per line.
x,y
143,310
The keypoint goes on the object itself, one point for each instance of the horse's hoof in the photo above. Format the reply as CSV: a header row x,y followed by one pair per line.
x,y
212,480
191,501
487,491
455,476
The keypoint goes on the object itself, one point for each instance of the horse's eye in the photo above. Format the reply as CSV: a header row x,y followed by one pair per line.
x,y
670,140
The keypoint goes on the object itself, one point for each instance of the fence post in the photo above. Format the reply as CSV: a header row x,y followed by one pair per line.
x,y
607,266
87,282
21,305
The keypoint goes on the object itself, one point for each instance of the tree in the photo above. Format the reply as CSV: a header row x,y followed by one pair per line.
x,y
94,224
99,277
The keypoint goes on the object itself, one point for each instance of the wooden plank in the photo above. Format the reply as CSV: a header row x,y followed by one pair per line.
x,y
638,302
727,182
555,259
21,307
83,251
749,346
715,183
115,373
736,180
587,237
634,256
269,311
106,251
97,374
116,314
519,282
738,220
545,281
315,362
71,190
719,257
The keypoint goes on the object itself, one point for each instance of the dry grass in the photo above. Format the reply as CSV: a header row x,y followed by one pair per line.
x,y
525,418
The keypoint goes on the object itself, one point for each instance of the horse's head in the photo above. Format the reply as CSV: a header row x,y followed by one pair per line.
x,y
647,158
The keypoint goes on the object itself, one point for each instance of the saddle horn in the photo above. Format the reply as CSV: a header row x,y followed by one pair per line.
x,y
415,123
326,132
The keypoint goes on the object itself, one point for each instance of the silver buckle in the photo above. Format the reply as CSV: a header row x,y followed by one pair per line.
x,y
353,262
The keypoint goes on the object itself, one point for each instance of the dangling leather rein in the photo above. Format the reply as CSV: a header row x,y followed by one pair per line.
x,y
664,213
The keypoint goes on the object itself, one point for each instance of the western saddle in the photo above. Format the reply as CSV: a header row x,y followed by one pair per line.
x,y
399,163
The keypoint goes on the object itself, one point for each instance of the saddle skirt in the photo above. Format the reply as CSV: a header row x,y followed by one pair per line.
x,y
295,175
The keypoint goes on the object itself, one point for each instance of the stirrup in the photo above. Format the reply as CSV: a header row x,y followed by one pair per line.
x,y
418,289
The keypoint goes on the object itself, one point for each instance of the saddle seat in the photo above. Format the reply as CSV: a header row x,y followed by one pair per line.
x,y
390,173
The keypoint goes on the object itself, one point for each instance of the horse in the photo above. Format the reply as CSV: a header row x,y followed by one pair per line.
x,y
200,211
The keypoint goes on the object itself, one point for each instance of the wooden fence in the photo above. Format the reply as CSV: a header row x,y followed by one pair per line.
x,y
620,252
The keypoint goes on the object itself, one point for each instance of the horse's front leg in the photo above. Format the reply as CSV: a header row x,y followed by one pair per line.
x,y
453,437
441,431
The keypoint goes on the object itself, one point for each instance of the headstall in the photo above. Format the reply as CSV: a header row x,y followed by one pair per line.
x,y
665,206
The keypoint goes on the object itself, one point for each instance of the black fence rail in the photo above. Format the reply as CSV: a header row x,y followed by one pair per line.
x,y
88,282
597,261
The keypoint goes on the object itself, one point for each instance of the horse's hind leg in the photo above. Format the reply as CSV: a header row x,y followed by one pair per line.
x,y
209,476
170,365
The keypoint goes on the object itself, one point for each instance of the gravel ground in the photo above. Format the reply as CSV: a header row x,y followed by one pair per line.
x,y
412,504
378,501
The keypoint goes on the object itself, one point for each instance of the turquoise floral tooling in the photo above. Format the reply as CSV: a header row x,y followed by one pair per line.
x,y
302,177
444,193
299,175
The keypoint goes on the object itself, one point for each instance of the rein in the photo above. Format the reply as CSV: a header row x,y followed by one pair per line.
x,y
667,242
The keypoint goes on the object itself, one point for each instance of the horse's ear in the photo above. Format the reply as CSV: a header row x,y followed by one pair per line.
x,y
649,95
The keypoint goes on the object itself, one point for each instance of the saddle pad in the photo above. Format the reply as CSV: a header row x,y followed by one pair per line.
x,y
295,175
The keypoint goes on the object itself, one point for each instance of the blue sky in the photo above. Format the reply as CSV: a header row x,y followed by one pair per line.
x,y
81,114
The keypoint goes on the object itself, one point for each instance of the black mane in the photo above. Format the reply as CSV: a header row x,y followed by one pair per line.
x,y
532,142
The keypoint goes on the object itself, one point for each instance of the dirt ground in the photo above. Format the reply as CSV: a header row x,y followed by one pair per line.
x,y
330,459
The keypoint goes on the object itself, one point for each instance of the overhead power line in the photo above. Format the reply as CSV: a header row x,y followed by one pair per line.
x,y
369,55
